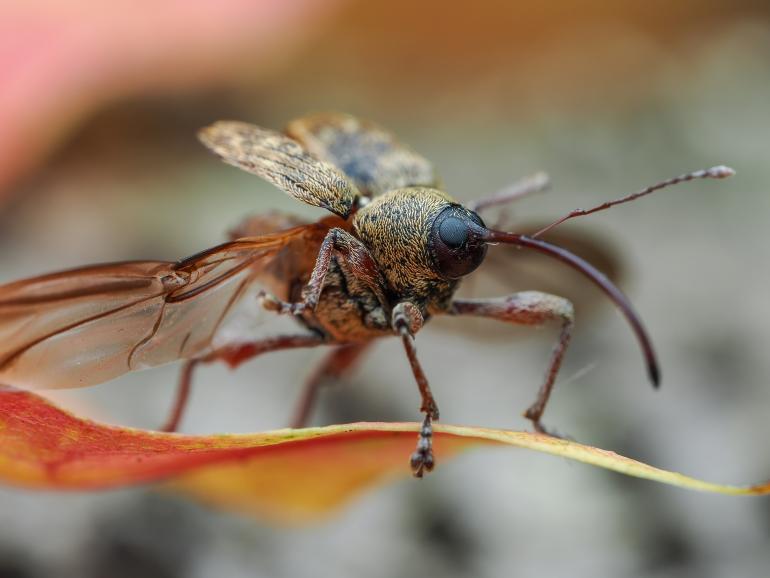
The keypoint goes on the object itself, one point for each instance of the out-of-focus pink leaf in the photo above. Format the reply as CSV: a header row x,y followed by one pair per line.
x,y
59,60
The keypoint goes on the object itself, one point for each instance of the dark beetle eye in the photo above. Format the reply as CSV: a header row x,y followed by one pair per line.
x,y
453,231
455,244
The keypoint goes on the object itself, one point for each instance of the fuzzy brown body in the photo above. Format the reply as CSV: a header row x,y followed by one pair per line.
x,y
393,227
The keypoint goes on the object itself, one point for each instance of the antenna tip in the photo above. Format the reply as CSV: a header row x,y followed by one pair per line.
x,y
654,372
720,172
541,180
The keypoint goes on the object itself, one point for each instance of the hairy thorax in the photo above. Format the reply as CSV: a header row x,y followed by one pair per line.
x,y
395,227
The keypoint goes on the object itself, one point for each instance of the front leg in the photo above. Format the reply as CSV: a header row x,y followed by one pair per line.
x,y
407,320
528,308
356,256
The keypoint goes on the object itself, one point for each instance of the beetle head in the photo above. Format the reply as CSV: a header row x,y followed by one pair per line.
x,y
422,239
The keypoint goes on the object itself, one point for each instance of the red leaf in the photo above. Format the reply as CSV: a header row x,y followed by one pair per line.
x,y
284,474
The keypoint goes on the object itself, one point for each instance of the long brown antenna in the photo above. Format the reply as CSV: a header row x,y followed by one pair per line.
x,y
718,172
597,277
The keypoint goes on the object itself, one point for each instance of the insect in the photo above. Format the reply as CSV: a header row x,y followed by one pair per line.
x,y
388,258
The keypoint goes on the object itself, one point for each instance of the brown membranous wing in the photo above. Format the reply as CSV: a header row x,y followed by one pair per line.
x,y
86,326
369,155
283,162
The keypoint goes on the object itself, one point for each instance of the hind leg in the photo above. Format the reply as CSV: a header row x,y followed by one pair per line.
x,y
233,355
521,188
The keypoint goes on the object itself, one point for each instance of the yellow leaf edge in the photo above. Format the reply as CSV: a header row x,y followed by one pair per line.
x,y
239,491
602,458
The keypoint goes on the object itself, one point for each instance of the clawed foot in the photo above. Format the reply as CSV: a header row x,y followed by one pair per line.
x,y
422,458
541,429
272,303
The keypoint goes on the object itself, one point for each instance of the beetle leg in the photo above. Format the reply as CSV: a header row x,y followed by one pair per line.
x,y
233,355
407,320
356,255
182,396
528,308
336,364
521,188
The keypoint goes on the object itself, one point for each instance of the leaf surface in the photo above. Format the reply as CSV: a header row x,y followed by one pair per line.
x,y
287,475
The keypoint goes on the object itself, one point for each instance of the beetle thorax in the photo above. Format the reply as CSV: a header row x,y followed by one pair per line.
x,y
396,227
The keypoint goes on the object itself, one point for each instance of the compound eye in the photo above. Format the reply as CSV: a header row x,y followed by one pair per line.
x,y
455,249
453,232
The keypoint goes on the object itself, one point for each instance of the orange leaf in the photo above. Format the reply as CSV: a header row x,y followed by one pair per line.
x,y
289,475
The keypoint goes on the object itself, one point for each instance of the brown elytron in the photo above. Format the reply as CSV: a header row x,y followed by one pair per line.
x,y
389,258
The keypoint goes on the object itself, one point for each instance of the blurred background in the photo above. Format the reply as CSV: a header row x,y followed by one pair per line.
x,y
99,105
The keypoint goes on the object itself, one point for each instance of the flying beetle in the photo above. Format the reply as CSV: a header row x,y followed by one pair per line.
x,y
388,258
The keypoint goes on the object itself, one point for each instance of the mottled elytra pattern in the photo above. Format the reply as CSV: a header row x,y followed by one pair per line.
x,y
369,155
396,227
283,162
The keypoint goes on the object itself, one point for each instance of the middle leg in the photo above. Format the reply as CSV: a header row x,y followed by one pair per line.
x,y
337,363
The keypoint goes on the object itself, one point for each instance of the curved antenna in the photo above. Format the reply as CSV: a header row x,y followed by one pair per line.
x,y
718,172
597,277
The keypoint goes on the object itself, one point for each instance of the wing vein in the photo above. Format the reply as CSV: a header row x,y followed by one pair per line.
x,y
27,346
